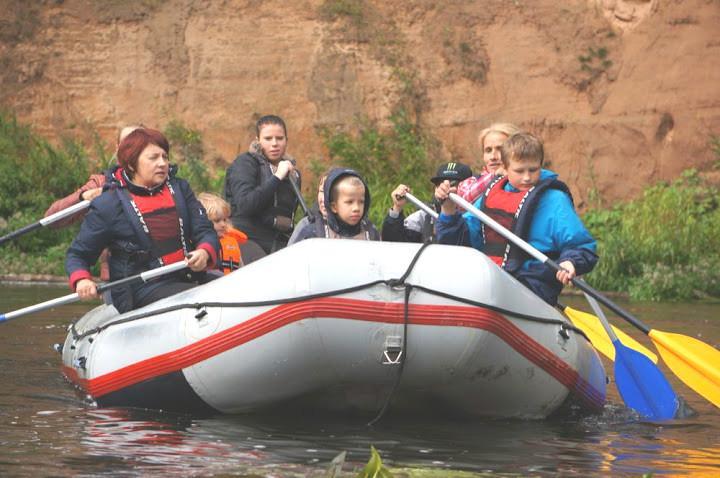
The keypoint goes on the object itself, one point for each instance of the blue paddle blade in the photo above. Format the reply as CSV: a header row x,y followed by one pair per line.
x,y
642,385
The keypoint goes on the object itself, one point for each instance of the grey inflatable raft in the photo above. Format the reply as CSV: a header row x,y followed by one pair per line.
x,y
342,325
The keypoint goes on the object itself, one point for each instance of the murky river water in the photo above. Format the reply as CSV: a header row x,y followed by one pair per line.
x,y
46,429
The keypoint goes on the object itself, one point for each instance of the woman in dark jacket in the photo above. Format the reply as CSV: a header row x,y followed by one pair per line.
x,y
257,187
147,218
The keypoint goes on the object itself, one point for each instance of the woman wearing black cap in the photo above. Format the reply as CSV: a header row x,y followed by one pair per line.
x,y
419,226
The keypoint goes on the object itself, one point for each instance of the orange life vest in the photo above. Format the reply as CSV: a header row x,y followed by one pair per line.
x,y
231,257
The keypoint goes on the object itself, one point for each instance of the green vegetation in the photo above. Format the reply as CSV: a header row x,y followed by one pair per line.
x,y
188,152
595,62
386,158
664,245
31,172
34,173
715,148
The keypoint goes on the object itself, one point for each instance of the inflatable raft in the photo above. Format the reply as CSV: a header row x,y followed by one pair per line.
x,y
343,326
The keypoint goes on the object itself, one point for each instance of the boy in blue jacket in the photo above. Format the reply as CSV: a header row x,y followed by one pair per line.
x,y
534,205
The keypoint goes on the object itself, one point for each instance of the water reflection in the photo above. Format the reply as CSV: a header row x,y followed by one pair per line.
x,y
46,429
165,440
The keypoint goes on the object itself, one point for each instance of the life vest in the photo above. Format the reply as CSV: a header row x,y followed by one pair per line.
x,y
231,256
159,218
514,211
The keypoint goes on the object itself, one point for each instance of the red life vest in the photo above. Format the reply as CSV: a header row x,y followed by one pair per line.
x,y
160,220
504,207
231,256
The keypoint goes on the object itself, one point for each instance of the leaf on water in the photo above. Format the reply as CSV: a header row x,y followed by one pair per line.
x,y
374,467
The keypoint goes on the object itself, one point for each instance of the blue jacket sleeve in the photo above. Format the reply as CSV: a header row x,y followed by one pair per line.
x,y
563,231
452,230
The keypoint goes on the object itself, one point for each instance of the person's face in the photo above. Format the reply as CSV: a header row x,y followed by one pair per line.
x,y
152,167
350,203
221,225
523,175
273,141
491,150
321,198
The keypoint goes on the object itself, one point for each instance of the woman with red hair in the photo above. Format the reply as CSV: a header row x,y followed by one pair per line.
x,y
147,218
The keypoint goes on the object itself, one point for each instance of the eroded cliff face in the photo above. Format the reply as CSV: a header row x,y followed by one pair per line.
x,y
623,92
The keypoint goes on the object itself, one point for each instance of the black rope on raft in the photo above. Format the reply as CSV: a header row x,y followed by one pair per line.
x,y
389,282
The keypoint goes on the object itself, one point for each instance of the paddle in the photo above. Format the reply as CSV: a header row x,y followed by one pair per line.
x,y
642,385
421,205
593,328
46,221
303,204
588,323
70,298
693,361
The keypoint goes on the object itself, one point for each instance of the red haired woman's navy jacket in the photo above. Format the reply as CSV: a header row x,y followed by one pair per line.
x,y
113,223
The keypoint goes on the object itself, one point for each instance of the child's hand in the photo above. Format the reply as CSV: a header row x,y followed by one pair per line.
x,y
567,273
197,260
398,197
442,192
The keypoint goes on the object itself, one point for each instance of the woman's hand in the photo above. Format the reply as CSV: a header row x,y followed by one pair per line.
x,y
398,197
197,260
442,193
566,273
90,194
86,289
283,169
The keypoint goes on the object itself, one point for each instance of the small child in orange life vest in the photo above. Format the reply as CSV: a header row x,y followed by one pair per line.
x,y
218,211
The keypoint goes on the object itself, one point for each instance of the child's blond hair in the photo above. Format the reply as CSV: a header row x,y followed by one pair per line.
x,y
217,208
522,147
353,181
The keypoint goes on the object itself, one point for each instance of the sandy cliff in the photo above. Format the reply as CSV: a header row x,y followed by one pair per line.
x,y
624,92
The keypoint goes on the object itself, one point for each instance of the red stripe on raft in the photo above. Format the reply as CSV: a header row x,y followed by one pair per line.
x,y
349,309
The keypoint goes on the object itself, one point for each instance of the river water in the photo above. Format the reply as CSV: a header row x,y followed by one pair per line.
x,y
47,429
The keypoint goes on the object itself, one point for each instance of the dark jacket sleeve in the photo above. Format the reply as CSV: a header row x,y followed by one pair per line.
x,y
307,232
582,258
394,230
247,197
202,232
452,230
94,236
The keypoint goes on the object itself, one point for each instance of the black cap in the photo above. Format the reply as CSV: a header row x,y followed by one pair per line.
x,y
452,172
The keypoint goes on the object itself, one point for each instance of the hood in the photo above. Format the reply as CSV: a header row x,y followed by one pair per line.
x,y
334,222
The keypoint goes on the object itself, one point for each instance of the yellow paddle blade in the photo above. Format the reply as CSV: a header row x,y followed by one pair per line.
x,y
593,328
693,361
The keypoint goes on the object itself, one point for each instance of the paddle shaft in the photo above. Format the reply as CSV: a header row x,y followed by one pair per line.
x,y
422,205
303,204
82,205
74,297
579,283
